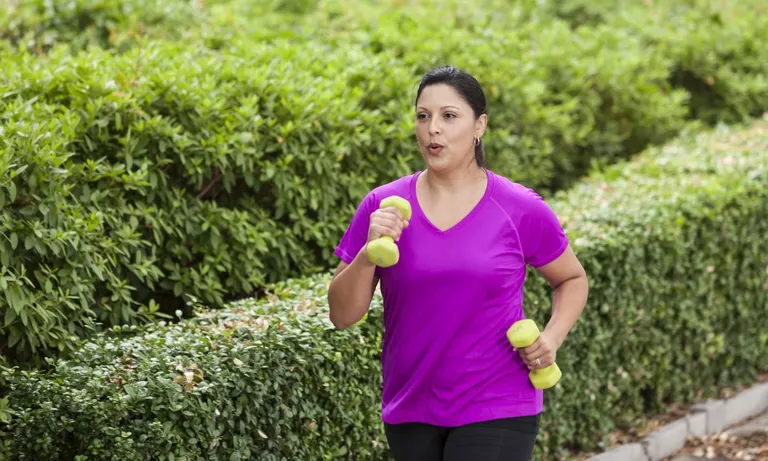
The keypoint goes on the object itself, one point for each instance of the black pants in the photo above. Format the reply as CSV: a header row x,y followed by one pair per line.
x,y
510,439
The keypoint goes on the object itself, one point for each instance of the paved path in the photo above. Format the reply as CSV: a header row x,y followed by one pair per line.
x,y
747,441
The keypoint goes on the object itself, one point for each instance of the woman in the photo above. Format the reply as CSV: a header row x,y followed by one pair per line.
x,y
454,389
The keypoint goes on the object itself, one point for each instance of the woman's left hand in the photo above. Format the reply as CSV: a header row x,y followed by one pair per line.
x,y
541,353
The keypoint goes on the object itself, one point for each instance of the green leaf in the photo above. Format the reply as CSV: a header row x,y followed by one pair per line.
x,y
14,298
14,337
10,316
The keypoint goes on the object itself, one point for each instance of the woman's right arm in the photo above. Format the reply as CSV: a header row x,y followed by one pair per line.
x,y
351,291
353,285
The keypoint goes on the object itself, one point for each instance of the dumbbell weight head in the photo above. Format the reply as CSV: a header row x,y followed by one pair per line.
x,y
383,251
523,333
545,377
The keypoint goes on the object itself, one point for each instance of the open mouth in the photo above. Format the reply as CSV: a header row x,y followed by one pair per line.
x,y
434,148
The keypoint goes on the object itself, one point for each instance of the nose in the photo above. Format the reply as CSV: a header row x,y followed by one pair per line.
x,y
434,127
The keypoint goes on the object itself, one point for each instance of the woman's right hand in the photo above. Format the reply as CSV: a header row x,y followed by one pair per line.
x,y
386,221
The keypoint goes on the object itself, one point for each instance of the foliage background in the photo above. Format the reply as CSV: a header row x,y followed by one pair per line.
x,y
158,156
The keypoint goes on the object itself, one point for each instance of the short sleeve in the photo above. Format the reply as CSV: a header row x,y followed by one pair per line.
x,y
356,235
542,236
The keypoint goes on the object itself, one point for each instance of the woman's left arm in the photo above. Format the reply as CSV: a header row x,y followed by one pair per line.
x,y
571,288
569,281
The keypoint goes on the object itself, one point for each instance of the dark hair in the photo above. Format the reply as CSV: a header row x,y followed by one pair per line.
x,y
469,89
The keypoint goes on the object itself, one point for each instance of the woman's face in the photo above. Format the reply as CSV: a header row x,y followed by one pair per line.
x,y
446,128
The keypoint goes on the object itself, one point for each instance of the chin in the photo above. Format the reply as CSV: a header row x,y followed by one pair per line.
x,y
438,163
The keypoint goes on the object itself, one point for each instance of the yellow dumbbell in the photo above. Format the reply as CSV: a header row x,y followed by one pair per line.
x,y
522,334
383,251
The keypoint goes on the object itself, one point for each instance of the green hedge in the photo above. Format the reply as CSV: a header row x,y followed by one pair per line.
x,y
673,245
717,47
236,159
38,25
210,174
559,100
67,247
244,167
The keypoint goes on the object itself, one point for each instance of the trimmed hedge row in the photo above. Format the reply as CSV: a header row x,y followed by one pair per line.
x,y
243,161
211,174
68,235
38,25
555,114
673,245
718,49
244,165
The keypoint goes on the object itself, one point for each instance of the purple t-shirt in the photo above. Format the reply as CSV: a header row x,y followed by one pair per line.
x,y
450,299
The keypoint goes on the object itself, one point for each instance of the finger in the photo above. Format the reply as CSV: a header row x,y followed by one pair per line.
x,y
529,355
385,230
384,216
395,226
540,353
393,210
532,365
386,221
544,361
398,216
533,348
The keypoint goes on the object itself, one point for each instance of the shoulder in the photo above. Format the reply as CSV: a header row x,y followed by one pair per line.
x,y
516,199
541,236
400,186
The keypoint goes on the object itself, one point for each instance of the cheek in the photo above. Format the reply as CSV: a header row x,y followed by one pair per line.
x,y
422,132
461,134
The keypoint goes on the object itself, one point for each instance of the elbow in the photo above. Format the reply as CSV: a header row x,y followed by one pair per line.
x,y
337,322
334,311
341,323
343,311
339,315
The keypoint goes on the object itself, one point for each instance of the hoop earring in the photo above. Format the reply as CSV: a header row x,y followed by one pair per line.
x,y
477,141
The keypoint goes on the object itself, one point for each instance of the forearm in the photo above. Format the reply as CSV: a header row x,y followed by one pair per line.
x,y
350,292
568,302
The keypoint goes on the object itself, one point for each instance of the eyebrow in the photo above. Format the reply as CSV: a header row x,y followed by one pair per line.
x,y
443,107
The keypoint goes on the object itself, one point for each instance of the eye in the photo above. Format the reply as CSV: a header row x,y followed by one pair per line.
x,y
421,116
450,115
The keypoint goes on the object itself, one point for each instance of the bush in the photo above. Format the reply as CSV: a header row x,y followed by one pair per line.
x,y
265,382
211,175
559,100
67,248
718,50
245,166
672,243
245,159
716,47
38,25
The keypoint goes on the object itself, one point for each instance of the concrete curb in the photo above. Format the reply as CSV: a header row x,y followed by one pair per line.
x,y
707,418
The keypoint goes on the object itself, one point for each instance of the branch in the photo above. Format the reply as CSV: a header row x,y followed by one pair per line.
x,y
210,185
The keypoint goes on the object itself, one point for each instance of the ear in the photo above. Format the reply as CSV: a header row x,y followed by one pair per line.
x,y
480,125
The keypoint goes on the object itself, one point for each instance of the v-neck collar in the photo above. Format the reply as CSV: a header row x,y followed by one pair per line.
x,y
418,212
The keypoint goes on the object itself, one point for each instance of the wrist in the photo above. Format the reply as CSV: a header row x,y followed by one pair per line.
x,y
556,334
362,257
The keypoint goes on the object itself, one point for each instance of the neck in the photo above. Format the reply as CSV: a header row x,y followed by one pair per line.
x,y
456,181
